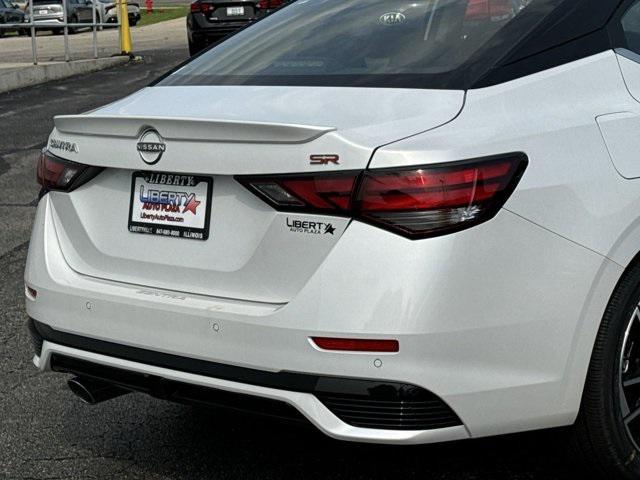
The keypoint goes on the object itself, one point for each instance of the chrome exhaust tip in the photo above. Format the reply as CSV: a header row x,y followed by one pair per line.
x,y
92,391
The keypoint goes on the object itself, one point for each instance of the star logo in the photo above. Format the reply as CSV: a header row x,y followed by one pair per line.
x,y
329,229
192,204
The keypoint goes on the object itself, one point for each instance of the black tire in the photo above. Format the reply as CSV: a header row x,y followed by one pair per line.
x,y
196,47
133,23
600,440
72,31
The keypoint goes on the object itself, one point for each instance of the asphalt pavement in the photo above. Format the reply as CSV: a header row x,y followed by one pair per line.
x,y
46,433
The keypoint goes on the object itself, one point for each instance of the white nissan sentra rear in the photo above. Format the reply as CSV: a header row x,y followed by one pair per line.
x,y
405,221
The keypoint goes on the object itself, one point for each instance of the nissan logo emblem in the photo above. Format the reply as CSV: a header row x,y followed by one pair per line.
x,y
151,146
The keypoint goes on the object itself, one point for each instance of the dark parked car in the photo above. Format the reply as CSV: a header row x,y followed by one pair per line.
x,y
211,20
10,13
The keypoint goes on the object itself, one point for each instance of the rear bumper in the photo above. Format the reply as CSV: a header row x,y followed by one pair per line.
x,y
54,21
497,321
201,30
112,17
306,393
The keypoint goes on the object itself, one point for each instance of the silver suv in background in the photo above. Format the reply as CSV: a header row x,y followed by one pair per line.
x,y
50,12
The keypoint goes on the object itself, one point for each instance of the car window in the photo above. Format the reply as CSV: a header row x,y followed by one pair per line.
x,y
341,41
631,27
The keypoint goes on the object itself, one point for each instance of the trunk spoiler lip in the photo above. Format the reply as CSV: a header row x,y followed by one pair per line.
x,y
190,129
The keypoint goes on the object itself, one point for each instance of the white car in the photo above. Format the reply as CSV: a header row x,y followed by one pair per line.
x,y
108,12
411,221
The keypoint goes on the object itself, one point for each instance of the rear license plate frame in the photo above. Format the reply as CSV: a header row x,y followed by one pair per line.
x,y
179,184
235,11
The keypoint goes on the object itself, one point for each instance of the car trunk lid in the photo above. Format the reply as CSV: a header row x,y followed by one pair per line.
x,y
252,252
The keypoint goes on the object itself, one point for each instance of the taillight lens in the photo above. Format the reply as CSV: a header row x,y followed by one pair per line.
x,y
419,202
55,173
494,10
265,4
436,199
324,193
197,7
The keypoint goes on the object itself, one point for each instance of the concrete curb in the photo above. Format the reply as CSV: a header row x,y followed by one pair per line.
x,y
17,76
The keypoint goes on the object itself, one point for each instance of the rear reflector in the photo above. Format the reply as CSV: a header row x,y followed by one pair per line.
x,y
417,202
356,345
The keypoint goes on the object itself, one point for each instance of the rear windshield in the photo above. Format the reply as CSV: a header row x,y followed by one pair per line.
x,y
418,43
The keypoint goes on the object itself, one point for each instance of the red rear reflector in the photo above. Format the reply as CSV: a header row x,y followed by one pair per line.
x,y
416,202
356,345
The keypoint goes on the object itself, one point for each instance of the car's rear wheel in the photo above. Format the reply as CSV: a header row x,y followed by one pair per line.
x,y
196,47
606,436
71,30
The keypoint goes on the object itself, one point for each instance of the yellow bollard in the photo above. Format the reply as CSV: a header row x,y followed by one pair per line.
x,y
125,32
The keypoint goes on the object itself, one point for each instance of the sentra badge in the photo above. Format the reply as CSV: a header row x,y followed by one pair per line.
x,y
55,144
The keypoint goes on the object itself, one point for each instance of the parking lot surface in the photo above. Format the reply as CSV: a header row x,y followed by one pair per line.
x,y
46,433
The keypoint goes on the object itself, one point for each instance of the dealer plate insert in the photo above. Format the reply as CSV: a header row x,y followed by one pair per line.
x,y
170,205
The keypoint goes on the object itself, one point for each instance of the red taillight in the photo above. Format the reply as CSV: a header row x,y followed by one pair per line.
x,y
435,200
356,345
329,193
197,7
58,174
415,202
266,4
489,9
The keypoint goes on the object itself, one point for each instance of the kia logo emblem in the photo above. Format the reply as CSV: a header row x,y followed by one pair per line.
x,y
151,146
392,18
